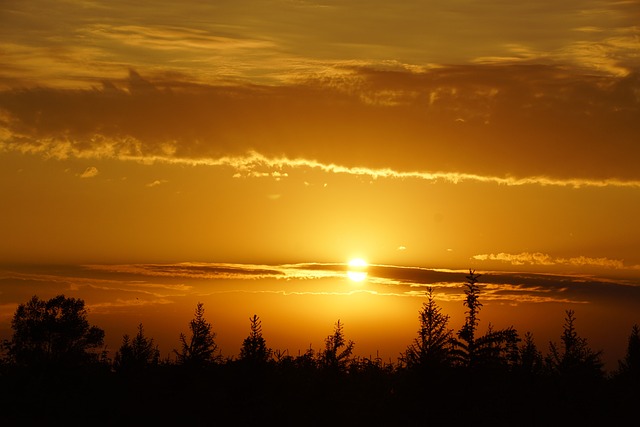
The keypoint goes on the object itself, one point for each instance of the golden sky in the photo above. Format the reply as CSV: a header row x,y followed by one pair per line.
x,y
501,136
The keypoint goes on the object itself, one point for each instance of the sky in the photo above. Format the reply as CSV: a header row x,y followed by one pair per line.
x,y
274,135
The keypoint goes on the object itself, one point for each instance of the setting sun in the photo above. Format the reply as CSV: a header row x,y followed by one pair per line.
x,y
357,270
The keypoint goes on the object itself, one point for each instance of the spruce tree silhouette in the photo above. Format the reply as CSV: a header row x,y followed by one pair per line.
x,y
466,346
630,366
336,355
200,349
530,362
136,354
574,359
254,348
496,349
433,346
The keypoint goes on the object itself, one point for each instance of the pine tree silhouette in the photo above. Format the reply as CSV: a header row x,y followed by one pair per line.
x,y
337,352
573,359
200,348
433,346
136,354
630,366
254,348
495,349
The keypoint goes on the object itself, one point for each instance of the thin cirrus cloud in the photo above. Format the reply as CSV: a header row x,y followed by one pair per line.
x,y
542,259
173,38
20,283
463,123
271,40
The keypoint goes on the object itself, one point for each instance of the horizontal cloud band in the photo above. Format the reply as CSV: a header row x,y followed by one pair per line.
x,y
254,165
160,283
541,259
453,124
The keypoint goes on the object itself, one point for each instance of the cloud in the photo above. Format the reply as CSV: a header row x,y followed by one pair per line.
x,y
536,258
270,41
597,262
174,38
541,259
89,172
514,124
157,182
192,270
127,284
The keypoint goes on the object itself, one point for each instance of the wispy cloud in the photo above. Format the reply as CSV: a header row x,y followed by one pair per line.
x,y
89,172
192,270
538,258
19,283
173,38
157,182
255,164
228,271
257,40
106,307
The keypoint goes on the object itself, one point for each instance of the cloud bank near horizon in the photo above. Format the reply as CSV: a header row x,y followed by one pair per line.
x,y
111,286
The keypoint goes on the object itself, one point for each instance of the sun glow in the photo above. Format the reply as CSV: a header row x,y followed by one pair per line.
x,y
357,271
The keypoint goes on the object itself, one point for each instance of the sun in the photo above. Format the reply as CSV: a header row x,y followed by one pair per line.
x,y
357,271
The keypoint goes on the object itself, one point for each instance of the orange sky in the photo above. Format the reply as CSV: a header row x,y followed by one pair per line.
x,y
442,134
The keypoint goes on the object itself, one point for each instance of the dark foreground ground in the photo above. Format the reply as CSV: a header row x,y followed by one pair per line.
x,y
237,395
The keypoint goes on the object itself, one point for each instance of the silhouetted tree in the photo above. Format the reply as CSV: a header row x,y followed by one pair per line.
x,y
337,352
373,365
53,332
136,354
432,348
254,348
466,346
573,359
201,347
498,348
530,360
495,348
630,366
307,360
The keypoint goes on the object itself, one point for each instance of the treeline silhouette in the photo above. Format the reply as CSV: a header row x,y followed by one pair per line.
x,y
54,368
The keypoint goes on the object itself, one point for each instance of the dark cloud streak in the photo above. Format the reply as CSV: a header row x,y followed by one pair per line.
x,y
184,278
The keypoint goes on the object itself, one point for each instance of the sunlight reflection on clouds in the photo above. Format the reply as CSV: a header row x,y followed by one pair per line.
x,y
109,285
